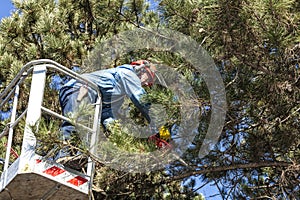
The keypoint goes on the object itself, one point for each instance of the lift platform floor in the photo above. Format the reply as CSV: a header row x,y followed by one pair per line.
x,y
45,181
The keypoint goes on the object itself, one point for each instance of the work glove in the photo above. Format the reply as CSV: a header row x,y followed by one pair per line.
x,y
161,138
164,133
83,91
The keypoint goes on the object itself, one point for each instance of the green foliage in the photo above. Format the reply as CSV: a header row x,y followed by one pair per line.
x,y
47,137
122,138
255,45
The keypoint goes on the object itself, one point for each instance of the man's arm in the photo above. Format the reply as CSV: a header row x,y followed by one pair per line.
x,y
135,91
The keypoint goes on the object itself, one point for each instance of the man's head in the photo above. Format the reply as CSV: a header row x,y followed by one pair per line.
x,y
145,71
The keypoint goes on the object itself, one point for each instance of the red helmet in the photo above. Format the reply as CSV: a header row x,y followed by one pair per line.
x,y
144,69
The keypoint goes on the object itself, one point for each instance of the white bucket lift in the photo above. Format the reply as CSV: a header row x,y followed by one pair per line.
x,y
31,176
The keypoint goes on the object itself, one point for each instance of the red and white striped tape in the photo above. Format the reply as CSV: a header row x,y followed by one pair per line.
x,y
59,174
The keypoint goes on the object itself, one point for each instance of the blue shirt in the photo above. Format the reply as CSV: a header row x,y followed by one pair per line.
x,y
115,84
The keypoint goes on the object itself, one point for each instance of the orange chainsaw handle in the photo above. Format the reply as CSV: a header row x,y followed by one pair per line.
x,y
160,143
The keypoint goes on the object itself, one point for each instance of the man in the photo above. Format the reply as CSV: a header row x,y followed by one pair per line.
x,y
114,84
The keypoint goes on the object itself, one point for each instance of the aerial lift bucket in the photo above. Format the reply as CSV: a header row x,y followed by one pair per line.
x,y
31,176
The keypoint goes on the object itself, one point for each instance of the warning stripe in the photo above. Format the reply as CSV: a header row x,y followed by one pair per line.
x,y
55,171
77,181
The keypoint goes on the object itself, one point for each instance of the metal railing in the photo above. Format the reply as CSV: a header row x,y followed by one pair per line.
x,y
13,89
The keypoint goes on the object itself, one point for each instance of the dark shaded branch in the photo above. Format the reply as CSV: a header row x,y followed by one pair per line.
x,y
227,168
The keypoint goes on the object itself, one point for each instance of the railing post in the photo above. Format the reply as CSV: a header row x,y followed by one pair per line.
x,y
94,142
11,132
33,116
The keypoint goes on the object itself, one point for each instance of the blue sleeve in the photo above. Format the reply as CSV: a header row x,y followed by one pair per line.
x,y
134,90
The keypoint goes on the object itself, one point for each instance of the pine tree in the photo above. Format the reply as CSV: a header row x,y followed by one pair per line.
x,y
256,48
66,32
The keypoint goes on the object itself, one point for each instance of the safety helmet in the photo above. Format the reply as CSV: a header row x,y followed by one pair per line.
x,y
144,67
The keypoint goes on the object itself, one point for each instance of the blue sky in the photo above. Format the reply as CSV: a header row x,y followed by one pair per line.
x,y
6,7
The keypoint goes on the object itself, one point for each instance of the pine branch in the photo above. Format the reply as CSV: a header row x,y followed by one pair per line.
x,y
90,17
227,168
136,13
